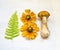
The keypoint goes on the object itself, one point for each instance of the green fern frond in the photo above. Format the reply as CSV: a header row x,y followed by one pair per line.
x,y
12,29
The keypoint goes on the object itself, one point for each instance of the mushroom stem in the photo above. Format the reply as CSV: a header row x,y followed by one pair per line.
x,y
44,28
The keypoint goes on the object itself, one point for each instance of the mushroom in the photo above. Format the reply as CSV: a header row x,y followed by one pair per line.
x,y
44,28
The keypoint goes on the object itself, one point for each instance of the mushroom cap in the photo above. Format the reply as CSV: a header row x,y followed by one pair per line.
x,y
43,13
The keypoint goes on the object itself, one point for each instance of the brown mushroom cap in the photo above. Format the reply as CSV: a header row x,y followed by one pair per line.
x,y
43,13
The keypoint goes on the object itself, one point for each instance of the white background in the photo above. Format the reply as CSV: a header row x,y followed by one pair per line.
x,y
8,7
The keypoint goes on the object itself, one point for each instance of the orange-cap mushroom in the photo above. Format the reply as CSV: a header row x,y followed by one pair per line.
x,y
43,15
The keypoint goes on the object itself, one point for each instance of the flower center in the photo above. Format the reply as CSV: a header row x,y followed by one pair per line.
x,y
28,17
30,29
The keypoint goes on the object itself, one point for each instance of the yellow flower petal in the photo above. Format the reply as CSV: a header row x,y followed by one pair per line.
x,y
23,17
34,25
36,29
23,28
32,14
35,34
33,37
33,19
24,34
28,37
27,11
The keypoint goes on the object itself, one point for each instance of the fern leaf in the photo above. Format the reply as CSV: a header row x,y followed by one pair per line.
x,y
12,29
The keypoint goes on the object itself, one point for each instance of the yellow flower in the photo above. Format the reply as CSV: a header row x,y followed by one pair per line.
x,y
29,30
28,16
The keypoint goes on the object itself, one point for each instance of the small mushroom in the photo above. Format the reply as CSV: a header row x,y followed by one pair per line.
x,y
44,28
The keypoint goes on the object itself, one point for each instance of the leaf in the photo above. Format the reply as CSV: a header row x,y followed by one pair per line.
x,y
12,30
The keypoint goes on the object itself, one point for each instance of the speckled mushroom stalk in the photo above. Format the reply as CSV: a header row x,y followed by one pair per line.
x,y
44,28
